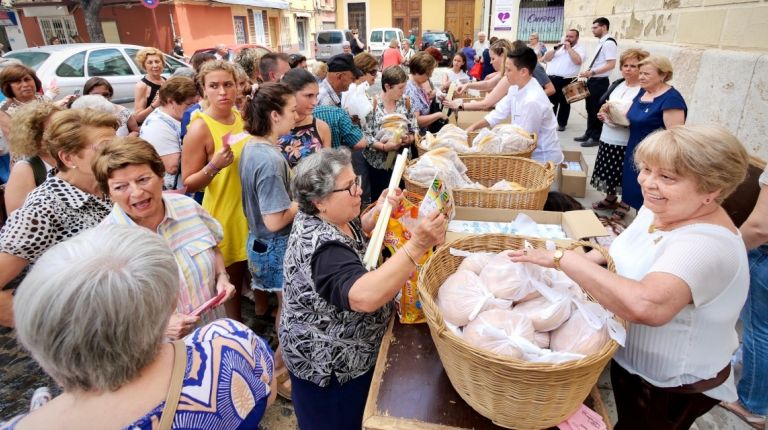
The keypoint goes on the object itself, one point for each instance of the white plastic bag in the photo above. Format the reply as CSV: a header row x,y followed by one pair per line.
x,y
356,102
473,261
508,280
588,330
442,162
499,331
463,296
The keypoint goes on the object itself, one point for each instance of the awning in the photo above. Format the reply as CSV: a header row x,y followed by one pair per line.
x,y
269,4
303,14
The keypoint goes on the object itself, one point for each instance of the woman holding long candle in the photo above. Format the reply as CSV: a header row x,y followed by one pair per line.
x,y
332,307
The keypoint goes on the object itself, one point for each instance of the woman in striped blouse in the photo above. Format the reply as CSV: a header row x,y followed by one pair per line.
x,y
131,172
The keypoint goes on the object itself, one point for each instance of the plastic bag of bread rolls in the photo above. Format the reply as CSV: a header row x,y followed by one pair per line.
x,y
545,315
512,138
508,280
501,332
442,162
463,296
586,332
473,261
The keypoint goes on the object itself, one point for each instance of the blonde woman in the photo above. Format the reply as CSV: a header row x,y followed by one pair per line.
x,y
210,158
26,141
152,61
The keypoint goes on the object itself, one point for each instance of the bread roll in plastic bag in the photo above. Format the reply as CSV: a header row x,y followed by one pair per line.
x,y
512,138
463,296
509,280
541,339
500,332
579,335
442,162
473,261
545,315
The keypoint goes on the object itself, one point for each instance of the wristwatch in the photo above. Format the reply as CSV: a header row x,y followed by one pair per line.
x,y
556,258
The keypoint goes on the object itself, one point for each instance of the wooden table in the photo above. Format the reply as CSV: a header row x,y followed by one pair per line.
x,y
410,389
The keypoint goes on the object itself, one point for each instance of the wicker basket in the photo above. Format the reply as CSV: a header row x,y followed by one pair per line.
x,y
471,135
489,169
511,392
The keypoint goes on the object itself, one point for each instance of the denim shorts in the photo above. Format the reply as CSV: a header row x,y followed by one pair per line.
x,y
266,266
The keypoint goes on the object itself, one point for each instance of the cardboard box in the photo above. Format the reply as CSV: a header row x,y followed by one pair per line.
x,y
573,182
465,118
577,225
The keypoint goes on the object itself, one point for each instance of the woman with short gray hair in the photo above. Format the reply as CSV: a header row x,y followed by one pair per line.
x,y
332,307
93,314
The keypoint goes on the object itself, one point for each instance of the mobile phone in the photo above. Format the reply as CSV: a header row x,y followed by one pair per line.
x,y
211,303
259,246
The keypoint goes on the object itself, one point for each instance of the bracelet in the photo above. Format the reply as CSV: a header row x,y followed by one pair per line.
x,y
207,173
213,167
410,257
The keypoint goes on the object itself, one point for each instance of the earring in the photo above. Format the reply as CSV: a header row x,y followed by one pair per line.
x,y
73,167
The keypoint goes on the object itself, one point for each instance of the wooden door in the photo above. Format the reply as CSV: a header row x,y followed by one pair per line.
x,y
459,18
274,39
356,19
406,15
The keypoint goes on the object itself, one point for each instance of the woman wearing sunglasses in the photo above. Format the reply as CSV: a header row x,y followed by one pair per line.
x,y
334,311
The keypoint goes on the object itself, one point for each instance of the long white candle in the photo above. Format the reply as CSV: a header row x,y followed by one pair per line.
x,y
377,237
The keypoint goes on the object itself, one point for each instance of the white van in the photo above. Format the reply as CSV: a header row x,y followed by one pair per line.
x,y
378,39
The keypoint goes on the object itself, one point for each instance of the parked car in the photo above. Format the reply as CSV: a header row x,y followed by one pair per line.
x,y
70,65
328,43
235,49
442,40
378,40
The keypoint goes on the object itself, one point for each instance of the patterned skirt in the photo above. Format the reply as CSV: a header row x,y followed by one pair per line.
x,y
609,168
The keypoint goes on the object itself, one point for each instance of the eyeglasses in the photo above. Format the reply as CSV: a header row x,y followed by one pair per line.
x,y
357,186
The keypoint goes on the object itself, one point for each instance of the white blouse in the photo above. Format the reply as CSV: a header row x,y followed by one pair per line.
x,y
699,341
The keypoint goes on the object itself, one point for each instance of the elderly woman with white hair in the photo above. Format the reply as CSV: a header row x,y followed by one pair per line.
x,y
334,311
93,314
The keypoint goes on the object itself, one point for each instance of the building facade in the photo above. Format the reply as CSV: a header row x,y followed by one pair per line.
x,y
717,47
464,18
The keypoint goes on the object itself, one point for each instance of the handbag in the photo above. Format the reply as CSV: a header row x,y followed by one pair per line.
x,y
174,389
476,71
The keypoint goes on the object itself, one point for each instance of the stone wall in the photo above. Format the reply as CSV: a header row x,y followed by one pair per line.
x,y
719,50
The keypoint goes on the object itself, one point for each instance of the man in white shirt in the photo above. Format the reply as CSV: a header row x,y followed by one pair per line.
x,y
564,62
603,62
481,44
527,105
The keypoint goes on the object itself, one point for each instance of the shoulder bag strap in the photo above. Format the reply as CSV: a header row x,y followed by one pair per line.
x,y
174,390
38,169
598,52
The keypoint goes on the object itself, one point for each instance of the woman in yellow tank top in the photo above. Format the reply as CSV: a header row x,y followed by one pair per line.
x,y
209,161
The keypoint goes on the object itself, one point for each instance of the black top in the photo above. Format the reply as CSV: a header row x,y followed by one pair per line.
x,y
335,268
154,88
355,48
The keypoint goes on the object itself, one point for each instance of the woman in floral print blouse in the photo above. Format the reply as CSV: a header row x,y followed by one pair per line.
x,y
391,101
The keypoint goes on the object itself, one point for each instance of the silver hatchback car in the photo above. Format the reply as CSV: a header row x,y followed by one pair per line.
x,y
69,66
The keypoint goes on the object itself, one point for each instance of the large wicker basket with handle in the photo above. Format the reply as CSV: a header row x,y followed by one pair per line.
x,y
490,169
526,153
511,392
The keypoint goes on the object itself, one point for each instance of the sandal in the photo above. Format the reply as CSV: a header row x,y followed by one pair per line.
x,y
283,389
620,212
605,204
754,421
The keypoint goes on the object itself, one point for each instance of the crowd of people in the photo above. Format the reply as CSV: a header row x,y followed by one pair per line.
x,y
132,236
